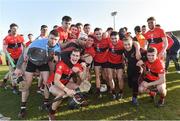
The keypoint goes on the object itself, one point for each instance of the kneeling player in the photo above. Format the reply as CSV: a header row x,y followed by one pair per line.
x,y
62,83
154,76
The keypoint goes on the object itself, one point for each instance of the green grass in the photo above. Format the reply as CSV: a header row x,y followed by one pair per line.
x,y
99,109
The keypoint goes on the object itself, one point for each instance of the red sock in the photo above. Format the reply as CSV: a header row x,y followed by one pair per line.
x,y
151,93
162,97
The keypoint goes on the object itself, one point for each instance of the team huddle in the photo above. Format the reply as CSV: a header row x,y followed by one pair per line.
x,y
62,62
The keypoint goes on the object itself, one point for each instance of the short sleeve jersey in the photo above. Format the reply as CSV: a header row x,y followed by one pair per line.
x,y
153,69
62,34
101,49
154,38
115,52
14,45
64,71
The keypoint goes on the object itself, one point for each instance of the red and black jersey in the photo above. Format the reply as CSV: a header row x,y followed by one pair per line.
x,y
90,51
153,69
154,38
65,71
72,36
101,49
115,52
14,45
63,35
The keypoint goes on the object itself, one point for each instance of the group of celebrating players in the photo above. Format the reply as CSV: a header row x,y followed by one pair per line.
x,y
64,58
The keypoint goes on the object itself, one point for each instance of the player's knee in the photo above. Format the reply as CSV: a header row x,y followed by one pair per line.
x,y
164,92
120,78
45,82
109,77
24,90
162,89
24,86
53,90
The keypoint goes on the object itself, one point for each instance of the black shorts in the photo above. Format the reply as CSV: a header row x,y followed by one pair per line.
x,y
32,67
103,65
115,66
